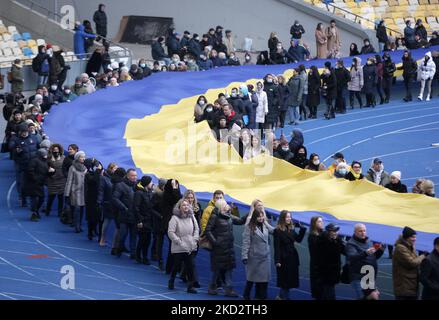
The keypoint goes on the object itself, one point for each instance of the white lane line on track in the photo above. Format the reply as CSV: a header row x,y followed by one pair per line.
x,y
53,245
70,259
370,126
362,141
45,281
396,153
7,296
415,131
368,118
404,129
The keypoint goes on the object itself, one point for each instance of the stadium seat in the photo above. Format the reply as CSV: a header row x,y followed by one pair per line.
x,y
16,37
7,37
27,52
31,43
4,45
393,3
26,36
3,29
34,50
17,52
12,29
1,23
403,2
41,42
12,44
8,52
22,44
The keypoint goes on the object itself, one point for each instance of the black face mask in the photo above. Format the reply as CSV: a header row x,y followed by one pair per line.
x,y
56,154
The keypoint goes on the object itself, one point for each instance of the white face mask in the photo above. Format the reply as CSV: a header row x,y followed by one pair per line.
x,y
316,162
286,149
54,88
342,172
67,92
201,103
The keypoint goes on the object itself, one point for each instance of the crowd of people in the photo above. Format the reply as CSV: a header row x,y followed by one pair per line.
x,y
144,215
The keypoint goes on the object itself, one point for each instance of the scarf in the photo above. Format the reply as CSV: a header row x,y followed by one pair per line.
x,y
356,175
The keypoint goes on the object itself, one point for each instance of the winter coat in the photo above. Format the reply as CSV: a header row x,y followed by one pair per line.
x,y
36,177
284,155
195,49
409,68
57,65
295,87
75,184
381,34
313,97
367,49
385,178
429,276
370,77
28,147
297,31
205,64
330,82
343,77
12,126
68,161
398,187
144,207
183,232
334,41
219,231
262,108
296,141
157,51
300,161
279,57
273,102
313,266
349,176
79,41
92,182
100,18
228,42
427,69
405,269
56,182
105,196
256,250
94,64
286,254
41,62
357,79
170,198
357,257
389,69
173,45
321,44
328,259
17,84
123,199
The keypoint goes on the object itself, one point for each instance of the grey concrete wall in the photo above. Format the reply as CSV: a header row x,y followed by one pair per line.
x,y
253,19
39,26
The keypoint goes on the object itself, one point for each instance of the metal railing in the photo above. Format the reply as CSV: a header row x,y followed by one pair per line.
x,y
56,17
331,7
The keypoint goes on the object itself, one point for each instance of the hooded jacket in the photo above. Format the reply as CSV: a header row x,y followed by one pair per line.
x,y
123,199
144,207
295,86
409,67
183,231
427,67
79,41
430,276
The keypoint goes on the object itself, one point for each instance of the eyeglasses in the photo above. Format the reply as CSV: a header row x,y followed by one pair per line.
x,y
356,167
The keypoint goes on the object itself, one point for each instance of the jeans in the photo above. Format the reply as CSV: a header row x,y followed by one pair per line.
x,y
78,214
356,285
387,86
293,114
227,278
381,46
42,80
50,200
126,228
105,225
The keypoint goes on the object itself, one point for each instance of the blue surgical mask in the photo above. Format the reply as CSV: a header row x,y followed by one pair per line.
x,y
342,172
142,65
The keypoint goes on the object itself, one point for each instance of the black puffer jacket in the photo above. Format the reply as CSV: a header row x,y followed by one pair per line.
x,y
123,199
219,231
36,177
144,207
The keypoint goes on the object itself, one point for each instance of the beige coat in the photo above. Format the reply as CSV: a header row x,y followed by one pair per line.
x,y
405,269
334,41
228,42
321,44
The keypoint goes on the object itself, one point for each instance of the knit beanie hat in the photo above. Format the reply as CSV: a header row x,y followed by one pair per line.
x,y
396,174
79,154
145,181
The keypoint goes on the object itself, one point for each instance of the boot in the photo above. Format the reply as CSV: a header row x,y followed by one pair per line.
x,y
212,291
33,217
382,101
171,284
231,293
196,284
114,251
191,289
161,268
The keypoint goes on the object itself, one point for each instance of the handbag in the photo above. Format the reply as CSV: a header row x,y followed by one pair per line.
x,y
205,243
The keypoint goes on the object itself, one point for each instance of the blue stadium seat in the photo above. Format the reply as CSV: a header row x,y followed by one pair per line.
x,y
26,36
16,36
27,52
